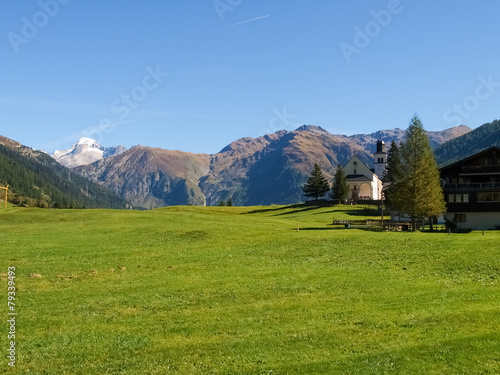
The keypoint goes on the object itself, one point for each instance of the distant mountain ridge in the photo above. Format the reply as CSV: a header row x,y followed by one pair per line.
x,y
85,151
252,171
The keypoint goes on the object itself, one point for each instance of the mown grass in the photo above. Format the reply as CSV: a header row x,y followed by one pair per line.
x,y
230,290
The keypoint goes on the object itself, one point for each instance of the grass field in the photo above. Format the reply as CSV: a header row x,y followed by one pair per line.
x,y
229,290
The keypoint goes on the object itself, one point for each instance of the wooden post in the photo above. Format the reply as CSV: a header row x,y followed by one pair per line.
x,y
382,196
6,190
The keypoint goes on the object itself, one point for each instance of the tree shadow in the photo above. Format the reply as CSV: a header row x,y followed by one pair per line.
x,y
361,212
296,208
281,208
338,227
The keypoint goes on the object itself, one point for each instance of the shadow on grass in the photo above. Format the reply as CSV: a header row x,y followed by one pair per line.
x,y
342,228
295,208
359,212
281,208
440,231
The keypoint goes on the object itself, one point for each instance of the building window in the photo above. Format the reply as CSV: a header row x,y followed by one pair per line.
x,y
458,198
460,218
488,197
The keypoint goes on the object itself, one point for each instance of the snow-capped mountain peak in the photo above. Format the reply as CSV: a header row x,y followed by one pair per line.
x,y
85,151
88,141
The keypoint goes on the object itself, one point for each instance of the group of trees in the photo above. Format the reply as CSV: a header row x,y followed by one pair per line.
x,y
412,184
317,185
228,203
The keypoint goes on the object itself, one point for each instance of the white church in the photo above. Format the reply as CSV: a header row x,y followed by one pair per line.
x,y
365,183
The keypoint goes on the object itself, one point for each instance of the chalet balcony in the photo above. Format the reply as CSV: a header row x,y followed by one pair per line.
x,y
480,169
473,186
473,207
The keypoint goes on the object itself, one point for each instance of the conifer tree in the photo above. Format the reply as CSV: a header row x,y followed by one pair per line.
x,y
340,188
392,178
316,185
421,185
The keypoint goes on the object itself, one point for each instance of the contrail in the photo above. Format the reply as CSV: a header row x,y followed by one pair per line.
x,y
239,23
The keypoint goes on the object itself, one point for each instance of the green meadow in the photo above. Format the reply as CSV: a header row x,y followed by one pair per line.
x,y
232,290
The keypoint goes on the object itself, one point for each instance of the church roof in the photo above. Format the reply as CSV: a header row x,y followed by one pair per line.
x,y
357,177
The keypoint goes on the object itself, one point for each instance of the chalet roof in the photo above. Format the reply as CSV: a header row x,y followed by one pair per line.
x,y
471,157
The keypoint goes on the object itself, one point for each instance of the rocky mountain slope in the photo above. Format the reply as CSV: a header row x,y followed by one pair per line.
x,y
251,171
151,177
85,151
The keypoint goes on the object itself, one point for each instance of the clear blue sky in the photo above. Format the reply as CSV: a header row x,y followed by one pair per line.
x,y
66,69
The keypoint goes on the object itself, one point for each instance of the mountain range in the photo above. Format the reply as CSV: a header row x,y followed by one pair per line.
x,y
251,171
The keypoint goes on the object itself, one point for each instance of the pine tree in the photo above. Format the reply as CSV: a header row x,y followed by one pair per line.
x,y
392,178
229,202
340,188
222,203
316,185
421,185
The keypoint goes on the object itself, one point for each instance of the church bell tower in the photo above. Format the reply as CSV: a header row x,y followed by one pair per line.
x,y
380,159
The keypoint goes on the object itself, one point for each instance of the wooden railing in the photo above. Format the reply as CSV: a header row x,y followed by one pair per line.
x,y
473,186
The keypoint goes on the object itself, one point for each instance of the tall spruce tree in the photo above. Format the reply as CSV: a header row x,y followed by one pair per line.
x,y
421,185
340,188
392,178
316,185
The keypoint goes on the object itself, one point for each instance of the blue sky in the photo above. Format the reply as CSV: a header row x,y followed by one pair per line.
x,y
195,75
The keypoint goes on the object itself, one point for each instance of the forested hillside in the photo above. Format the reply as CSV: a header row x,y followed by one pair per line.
x,y
468,144
36,179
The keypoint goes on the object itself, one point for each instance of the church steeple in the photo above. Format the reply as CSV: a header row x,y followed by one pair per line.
x,y
380,159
